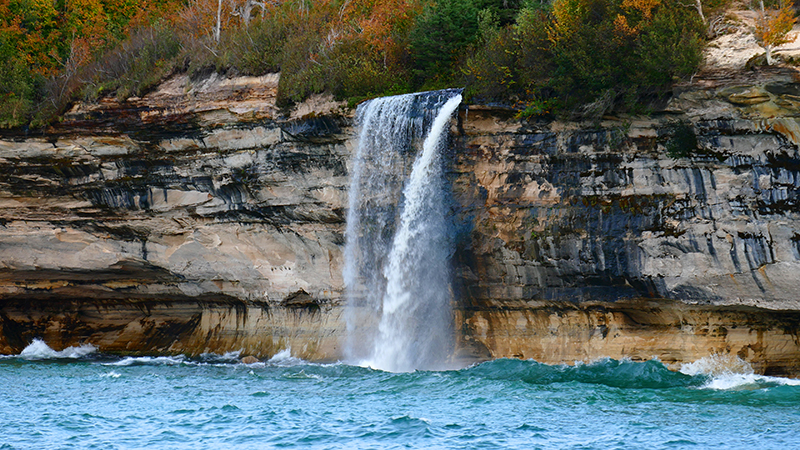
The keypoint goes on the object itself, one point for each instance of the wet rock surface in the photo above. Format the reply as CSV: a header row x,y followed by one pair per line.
x,y
148,228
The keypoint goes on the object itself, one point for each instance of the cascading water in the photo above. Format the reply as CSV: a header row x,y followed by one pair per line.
x,y
398,247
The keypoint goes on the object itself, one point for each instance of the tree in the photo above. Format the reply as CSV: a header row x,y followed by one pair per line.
x,y
245,10
443,31
773,26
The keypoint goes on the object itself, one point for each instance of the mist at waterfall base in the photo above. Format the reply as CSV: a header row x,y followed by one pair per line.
x,y
78,398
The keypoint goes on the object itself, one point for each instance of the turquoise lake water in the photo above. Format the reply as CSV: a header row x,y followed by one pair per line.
x,y
80,399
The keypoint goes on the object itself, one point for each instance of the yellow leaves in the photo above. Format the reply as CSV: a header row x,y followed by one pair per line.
x,y
773,25
644,7
640,11
86,19
628,17
621,27
568,17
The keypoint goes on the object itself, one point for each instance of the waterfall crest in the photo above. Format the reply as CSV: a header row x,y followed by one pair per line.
x,y
397,255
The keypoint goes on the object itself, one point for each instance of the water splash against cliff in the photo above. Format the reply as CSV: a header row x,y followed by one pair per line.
x,y
398,247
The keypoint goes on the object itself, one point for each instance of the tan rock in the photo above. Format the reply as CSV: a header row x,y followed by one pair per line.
x,y
160,234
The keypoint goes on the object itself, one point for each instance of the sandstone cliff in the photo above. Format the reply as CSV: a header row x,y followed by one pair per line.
x,y
584,240
186,221
201,218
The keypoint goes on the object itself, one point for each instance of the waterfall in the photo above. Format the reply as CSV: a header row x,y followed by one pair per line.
x,y
398,249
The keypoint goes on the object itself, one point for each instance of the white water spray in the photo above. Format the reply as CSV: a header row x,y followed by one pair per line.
x,y
38,350
397,268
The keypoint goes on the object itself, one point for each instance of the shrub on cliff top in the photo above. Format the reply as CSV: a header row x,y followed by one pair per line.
x,y
588,55
536,54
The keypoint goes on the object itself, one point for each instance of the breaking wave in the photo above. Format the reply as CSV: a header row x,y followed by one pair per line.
x,y
728,372
715,372
39,350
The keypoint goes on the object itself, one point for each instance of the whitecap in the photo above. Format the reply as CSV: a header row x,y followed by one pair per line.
x,y
285,358
729,372
225,358
717,365
149,361
302,375
38,350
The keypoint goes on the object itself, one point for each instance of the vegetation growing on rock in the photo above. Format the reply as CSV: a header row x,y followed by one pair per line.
x,y
566,56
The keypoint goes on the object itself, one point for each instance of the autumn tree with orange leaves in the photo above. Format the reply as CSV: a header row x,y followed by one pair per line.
x,y
773,25
45,44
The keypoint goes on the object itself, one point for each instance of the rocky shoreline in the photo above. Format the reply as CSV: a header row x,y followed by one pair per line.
x,y
201,218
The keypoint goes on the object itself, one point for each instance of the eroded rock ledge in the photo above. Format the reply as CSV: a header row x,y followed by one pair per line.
x,y
200,218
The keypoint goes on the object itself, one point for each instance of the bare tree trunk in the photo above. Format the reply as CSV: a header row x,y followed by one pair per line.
x,y
767,47
699,7
218,27
247,10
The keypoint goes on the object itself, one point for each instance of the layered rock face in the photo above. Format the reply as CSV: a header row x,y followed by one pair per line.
x,y
187,221
199,219
572,232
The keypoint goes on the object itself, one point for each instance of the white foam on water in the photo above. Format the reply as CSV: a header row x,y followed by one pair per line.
x,y
233,356
225,358
39,350
729,372
302,375
285,358
111,374
150,361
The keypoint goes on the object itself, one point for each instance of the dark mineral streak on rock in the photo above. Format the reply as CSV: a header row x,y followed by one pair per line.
x,y
199,219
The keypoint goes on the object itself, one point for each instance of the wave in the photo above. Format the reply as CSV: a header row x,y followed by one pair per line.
x,y
39,350
610,372
151,361
713,372
284,358
729,372
281,359
233,357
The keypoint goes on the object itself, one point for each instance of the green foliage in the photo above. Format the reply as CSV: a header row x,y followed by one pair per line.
x,y
491,69
588,59
256,49
349,60
134,66
545,57
442,33
50,49
302,71
18,89
671,48
682,140
587,56
505,11
537,107
354,73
